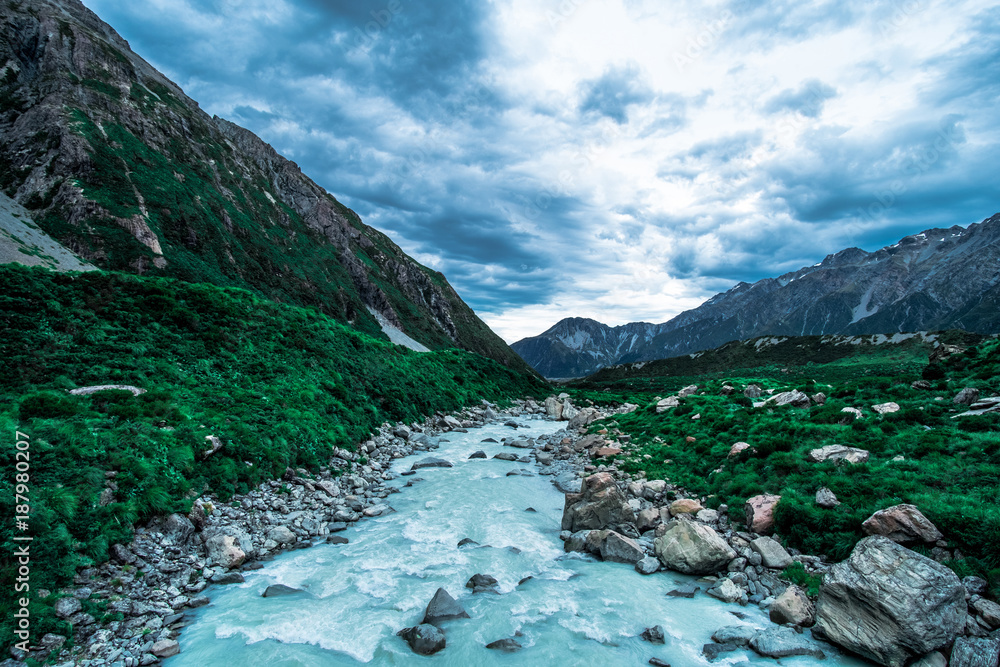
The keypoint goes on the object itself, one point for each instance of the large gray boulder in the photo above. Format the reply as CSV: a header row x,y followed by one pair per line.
x,y
852,455
222,550
424,639
553,408
431,462
795,398
975,652
890,604
620,549
772,554
600,504
784,643
902,523
443,607
793,607
692,548
177,529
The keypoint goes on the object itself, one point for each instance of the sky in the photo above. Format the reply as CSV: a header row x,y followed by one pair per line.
x,y
622,160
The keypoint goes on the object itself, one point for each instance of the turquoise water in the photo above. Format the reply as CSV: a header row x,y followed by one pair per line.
x,y
575,611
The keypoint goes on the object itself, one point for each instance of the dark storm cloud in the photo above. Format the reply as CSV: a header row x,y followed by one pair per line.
x,y
614,92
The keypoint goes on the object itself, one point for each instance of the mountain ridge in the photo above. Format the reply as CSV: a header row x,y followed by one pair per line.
x,y
115,162
934,280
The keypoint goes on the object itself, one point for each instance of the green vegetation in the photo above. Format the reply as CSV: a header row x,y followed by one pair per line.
x,y
949,468
280,386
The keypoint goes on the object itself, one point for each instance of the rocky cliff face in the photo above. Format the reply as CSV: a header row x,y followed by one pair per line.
x,y
938,279
116,163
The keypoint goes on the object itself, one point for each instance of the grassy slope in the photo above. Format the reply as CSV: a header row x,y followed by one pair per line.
x,y
279,384
950,469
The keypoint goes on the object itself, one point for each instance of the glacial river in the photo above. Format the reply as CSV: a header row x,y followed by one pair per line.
x,y
574,610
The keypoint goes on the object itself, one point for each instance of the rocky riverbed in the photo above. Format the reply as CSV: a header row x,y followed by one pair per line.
x,y
173,565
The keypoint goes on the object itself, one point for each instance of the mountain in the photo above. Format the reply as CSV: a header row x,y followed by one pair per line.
x,y
118,165
938,279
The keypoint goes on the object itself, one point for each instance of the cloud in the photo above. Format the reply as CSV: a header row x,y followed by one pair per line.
x,y
807,100
624,162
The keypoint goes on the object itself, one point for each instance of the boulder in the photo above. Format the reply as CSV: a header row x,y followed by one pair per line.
x,y
177,529
600,504
713,651
506,456
506,645
482,583
227,578
752,391
886,408
337,539
784,643
819,398
424,639
737,448
692,548
647,519
451,422
903,524
648,565
281,535
793,607
569,411
67,606
988,611
655,486
477,455
553,408
685,506
759,513
727,591
708,516
165,648
826,499
688,390
443,607
431,462
654,635
967,396
686,591
620,549
934,659
794,398
279,590
667,403
975,652
740,635
889,604
852,455
772,554
222,550
582,418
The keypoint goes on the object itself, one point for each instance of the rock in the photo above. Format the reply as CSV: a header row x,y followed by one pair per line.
x,y
222,550
655,486
752,391
793,607
200,601
477,455
66,607
281,535
177,530
337,539
759,512
974,586
505,645
656,662
967,396
279,590
826,499
667,403
886,408
783,643
852,455
889,604
401,431
794,398
819,398
482,583
772,554
443,607
727,591
451,423
424,639
707,516
576,541
989,612
647,519
467,542
165,648
934,659
121,555
607,451
975,652
620,549
654,635
568,482
692,548
903,524
553,408
228,578
685,506
505,456
737,448
431,462
740,635
569,411
713,651
920,384
647,565
685,591
856,413
600,504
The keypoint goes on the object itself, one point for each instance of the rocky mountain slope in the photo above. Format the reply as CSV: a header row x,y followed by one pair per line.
x,y
115,162
938,279
21,241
